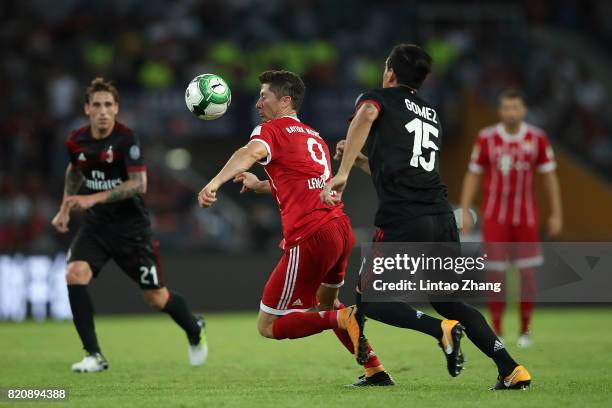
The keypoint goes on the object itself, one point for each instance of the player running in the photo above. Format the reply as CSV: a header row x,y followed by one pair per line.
x,y
507,155
403,135
318,238
105,160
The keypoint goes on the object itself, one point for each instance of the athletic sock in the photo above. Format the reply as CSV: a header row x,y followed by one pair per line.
x,y
479,333
373,361
83,317
496,309
177,308
401,315
302,324
528,289
496,302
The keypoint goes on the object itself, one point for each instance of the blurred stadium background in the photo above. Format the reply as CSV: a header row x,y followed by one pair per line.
x,y
557,51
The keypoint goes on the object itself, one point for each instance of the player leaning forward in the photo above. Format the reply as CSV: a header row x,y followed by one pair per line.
x,y
105,157
394,124
317,237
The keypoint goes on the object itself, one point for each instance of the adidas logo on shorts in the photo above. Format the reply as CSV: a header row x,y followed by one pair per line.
x,y
298,302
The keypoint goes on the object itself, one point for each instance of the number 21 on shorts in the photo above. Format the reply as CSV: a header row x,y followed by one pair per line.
x,y
148,276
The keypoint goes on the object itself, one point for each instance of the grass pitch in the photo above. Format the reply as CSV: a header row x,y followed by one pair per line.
x,y
570,364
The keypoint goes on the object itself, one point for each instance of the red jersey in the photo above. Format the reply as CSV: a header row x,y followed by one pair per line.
x,y
508,163
298,167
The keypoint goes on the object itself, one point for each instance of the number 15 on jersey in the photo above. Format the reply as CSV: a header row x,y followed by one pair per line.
x,y
422,132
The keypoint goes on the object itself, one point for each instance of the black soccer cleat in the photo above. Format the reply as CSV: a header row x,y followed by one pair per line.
x,y
518,379
452,332
380,379
195,340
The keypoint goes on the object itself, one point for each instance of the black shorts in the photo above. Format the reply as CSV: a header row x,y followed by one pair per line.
x,y
426,228
136,253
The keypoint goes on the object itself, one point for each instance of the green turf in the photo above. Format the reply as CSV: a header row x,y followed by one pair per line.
x,y
570,363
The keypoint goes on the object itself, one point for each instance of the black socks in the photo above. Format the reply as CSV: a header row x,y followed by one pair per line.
x,y
479,332
180,313
82,315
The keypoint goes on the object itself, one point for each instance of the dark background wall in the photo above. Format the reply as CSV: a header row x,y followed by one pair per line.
x,y
208,282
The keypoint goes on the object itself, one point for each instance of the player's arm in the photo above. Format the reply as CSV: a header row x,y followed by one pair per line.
x,y
251,182
240,162
135,185
72,183
355,139
361,161
471,183
553,193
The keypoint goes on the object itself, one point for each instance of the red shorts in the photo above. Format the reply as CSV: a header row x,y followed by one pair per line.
x,y
320,259
504,243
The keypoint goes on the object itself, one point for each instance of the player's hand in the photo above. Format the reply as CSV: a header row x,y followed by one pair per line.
x,y
332,192
82,202
555,226
340,149
208,195
61,219
249,181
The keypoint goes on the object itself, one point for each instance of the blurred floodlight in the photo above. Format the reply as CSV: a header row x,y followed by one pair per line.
x,y
178,159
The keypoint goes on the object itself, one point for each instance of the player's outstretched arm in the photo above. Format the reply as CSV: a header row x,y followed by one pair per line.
x,y
361,160
355,139
471,182
241,161
72,182
250,182
553,193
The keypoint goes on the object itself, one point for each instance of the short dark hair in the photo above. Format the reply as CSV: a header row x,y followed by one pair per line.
x,y
100,84
285,83
512,93
410,63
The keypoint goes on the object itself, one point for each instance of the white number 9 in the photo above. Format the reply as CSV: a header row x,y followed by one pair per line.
x,y
322,160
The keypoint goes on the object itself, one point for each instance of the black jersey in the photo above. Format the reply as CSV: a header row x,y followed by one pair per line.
x,y
105,164
403,149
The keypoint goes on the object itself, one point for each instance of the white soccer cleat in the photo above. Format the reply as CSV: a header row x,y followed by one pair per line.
x,y
91,363
524,340
198,354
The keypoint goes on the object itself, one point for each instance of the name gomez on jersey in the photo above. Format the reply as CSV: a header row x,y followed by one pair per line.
x,y
403,148
298,167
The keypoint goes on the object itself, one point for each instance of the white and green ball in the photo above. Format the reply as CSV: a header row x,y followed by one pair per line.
x,y
208,96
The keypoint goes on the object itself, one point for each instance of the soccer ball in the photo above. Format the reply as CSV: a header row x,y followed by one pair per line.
x,y
208,96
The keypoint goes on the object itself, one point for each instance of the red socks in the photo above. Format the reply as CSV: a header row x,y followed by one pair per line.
x,y
303,324
345,339
528,292
497,301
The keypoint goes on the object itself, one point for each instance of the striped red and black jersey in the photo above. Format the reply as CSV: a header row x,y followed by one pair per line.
x,y
106,164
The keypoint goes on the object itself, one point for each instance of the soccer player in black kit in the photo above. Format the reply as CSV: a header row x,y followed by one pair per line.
x,y
402,135
106,177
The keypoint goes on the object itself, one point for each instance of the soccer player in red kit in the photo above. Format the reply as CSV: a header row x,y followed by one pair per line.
x,y
507,155
317,237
